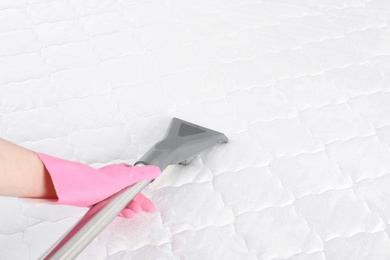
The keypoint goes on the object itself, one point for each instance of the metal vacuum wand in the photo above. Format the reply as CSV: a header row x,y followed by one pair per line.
x,y
182,142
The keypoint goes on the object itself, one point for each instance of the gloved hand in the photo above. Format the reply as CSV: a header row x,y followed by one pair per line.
x,y
78,184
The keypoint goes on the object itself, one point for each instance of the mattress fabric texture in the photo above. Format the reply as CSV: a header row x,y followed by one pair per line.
x,y
300,87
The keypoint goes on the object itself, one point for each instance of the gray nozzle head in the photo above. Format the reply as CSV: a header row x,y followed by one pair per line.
x,y
182,142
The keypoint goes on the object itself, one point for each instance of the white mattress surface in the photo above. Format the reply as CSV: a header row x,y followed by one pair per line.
x,y
301,88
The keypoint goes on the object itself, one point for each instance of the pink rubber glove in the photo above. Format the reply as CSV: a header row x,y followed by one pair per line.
x,y
78,184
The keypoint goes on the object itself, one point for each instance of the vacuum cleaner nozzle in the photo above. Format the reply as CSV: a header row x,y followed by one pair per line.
x,y
183,141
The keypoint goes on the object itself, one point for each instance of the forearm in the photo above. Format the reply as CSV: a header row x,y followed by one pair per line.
x,y
22,173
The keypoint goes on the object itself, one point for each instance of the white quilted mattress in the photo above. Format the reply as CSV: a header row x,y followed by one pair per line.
x,y
301,88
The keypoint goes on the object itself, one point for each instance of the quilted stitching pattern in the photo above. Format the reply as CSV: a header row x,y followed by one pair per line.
x,y
300,87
